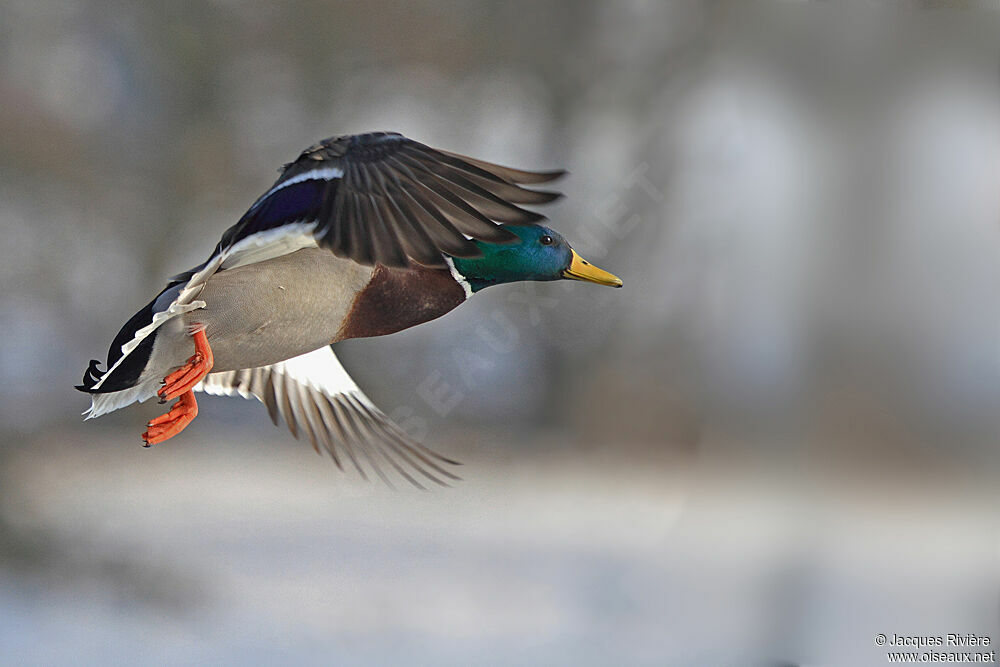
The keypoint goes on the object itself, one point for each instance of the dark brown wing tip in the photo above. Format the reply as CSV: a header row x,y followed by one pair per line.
x,y
510,174
536,177
544,197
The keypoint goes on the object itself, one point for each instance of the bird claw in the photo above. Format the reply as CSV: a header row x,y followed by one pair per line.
x,y
173,422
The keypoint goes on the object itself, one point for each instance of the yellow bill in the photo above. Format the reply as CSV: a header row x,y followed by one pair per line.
x,y
581,269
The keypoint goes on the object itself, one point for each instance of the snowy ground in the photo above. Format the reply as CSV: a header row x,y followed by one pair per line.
x,y
262,554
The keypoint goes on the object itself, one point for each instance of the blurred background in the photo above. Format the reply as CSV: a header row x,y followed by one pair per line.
x,y
779,440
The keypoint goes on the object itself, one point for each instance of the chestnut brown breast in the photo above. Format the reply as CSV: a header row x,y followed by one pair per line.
x,y
397,299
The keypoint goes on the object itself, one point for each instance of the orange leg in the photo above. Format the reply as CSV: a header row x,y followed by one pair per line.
x,y
187,376
180,385
167,426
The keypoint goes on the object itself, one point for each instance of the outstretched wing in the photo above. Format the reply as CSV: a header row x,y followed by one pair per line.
x,y
315,395
382,198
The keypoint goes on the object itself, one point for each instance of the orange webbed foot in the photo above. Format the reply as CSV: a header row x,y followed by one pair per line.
x,y
167,426
187,376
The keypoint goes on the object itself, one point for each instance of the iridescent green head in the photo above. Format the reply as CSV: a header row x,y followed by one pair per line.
x,y
539,254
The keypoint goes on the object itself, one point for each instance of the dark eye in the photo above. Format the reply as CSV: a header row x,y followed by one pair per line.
x,y
546,240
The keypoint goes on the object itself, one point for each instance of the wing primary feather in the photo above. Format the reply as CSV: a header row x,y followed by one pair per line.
x,y
321,405
510,192
332,415
380,235
400,449
365,449
416,241
488,204
434,185
387,246
378,447
467,219
395,465
308,398
391,430
365,423
352,438
299,400
449,239
416,445
518,176
416,450
392,435
457,162
479,198
352,425
514,193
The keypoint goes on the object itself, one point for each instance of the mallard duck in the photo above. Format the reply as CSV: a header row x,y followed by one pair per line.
x,y
361,235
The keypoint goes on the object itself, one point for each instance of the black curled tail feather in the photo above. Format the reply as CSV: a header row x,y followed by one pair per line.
x,y
126,374
91,376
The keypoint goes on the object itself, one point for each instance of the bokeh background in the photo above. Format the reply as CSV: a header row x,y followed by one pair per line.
x,y
778,440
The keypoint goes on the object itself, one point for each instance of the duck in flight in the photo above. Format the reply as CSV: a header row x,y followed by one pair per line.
x,y
362,235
